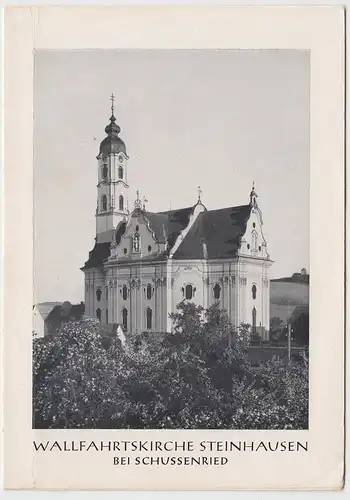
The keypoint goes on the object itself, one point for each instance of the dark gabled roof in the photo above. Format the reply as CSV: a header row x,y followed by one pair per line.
x,y
98,254
216,234
101,251
168,225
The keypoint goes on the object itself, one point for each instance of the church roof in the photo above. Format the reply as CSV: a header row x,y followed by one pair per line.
x,y
168,225
112,143
98,254
216,234
165,225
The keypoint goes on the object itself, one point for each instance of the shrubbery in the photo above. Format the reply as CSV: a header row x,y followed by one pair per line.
x,y
198,377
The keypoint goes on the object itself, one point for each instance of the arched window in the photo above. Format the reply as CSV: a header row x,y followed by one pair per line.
x,y
188,292
254,292
149,318
98,294
121,202
136,242
104,202
98,314
254,320
217,291
104,172
120,172
106,292
125,292
107,316
125,318
149,291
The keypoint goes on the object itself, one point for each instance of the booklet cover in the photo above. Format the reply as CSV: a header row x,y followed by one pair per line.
x,y
174,257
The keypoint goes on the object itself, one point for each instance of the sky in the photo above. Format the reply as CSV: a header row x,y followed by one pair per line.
x,y
220,119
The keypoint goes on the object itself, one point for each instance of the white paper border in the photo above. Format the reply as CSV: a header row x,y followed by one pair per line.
x,y
319,29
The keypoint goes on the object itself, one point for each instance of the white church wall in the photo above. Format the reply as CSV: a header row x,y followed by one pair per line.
x,y
188,273
147,244
145,288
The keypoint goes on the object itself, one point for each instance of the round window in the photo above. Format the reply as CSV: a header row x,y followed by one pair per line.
x,y
149,248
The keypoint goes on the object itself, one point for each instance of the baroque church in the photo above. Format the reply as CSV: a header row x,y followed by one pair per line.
x,y
144,263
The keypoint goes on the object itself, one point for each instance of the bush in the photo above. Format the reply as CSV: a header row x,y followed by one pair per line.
x,y
197,377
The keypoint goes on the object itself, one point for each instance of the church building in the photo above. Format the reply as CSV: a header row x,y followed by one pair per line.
x,y
144,263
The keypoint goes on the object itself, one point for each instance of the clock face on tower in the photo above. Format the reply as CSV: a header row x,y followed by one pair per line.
x,y
120,159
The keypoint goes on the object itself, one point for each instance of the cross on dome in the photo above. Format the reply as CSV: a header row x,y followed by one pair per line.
x,y
200,192
112,106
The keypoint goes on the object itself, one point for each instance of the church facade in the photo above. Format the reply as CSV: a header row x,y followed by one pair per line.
x,y
144,263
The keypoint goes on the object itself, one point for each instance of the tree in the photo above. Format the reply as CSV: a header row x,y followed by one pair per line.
x,y
198,377
277,328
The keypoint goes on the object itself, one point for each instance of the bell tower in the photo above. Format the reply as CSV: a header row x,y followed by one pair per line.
x,y
112,184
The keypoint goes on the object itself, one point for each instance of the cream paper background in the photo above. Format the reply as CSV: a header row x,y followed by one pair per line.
x,y
319,29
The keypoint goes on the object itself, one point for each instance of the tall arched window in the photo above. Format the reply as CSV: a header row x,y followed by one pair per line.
x,y
125,292
98,294
121,202
98,314
104,172
120,172
106,292
149,291
217,291
254,292
125,318
104,202
188,292
254,320
107,316
149,318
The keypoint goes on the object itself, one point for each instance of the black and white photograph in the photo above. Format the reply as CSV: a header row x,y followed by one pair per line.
x,y
171,239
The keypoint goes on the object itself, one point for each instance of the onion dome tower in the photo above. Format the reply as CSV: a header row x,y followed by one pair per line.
x,y
112,186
